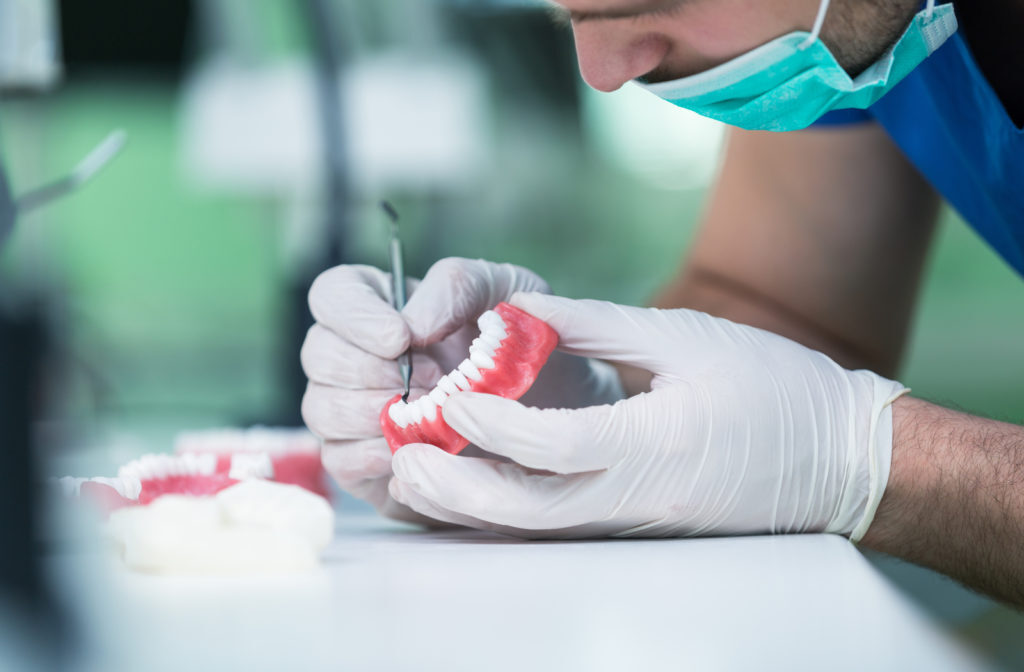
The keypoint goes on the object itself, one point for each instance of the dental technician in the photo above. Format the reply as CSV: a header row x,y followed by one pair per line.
x,y
772,409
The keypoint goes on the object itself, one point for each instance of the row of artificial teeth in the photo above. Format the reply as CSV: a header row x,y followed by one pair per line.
x,y
162,465
126,486
481,356
247,466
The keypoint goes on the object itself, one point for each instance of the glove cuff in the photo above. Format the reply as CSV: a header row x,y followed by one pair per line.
x,y
879,450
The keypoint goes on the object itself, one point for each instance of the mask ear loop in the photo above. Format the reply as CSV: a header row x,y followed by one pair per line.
x,y
929,9
820,19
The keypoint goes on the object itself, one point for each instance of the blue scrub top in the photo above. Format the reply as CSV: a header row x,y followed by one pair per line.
x,y
950,123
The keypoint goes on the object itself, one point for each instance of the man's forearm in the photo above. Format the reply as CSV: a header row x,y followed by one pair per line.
x,y
717,293
955,499
714,293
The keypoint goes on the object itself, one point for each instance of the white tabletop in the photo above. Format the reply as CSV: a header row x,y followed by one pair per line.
x,y
392,598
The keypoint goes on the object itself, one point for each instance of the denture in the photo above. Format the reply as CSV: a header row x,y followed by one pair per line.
x,y
162,474
281,455
504,360
205,463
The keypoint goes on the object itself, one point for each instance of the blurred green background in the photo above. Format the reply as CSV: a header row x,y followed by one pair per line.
x,y
174,294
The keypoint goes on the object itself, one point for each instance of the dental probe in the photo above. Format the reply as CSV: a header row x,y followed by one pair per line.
x,y
398,291
86,169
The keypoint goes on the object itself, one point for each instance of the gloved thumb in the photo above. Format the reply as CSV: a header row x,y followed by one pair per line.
x,y
456,291
642,337
558,440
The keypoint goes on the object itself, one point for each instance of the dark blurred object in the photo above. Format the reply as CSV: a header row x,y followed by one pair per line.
x,y
22,347
36,634
21,338
7,212
329,53
532,59
124,34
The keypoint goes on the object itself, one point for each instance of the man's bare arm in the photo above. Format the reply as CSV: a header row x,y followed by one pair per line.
x,y
955,499
818,235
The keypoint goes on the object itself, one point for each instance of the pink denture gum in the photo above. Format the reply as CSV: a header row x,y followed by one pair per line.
x,y
294,455
207,462
505,360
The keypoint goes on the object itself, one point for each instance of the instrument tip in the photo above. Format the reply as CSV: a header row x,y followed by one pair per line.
x,y
390,211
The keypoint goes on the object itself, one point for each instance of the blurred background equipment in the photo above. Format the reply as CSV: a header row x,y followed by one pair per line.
x,y
30,629
7,211
29,45
181,274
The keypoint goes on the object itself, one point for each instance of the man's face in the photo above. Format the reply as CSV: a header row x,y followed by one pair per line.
x,y
660,40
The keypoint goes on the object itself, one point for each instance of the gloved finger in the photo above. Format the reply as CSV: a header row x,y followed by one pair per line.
x,y
407,495
560,440
627,334
398,511
404,494
351,463
337,413
363,469
331,360
456,291
355,303
502,493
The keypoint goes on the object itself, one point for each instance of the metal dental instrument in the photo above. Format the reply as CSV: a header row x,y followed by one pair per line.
x,y
11,208
398,291
82,173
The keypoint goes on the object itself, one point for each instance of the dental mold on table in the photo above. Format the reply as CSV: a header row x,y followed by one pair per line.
x,y
228,502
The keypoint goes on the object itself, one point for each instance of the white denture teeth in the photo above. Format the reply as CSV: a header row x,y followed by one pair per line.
x,y
70,486
399,414
468,369
490,340
428,408
447,386
415,413
481,346
491,323
126,486
481,360
248,466
482,352
460,380
162,466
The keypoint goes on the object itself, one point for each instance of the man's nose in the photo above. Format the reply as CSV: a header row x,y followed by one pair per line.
x,y
609,58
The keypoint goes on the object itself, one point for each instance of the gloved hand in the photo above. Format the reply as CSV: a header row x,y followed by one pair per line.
x,y
349,356
743,432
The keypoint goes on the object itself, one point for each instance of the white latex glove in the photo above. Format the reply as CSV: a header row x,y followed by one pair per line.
x,y
744,432
349,357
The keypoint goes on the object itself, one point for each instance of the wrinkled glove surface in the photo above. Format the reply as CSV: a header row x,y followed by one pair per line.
x,y
743,432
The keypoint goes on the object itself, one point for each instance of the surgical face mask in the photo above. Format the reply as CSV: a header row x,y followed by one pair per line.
x,y
788,83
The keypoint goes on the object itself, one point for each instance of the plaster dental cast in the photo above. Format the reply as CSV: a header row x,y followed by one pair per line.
x,y
758,395
228,501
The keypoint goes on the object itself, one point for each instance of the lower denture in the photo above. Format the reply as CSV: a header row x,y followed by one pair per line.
x,y
518,360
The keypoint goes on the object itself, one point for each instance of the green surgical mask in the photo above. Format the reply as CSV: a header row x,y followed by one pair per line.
x,y
788,83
